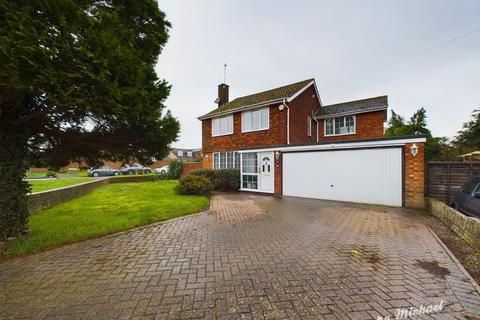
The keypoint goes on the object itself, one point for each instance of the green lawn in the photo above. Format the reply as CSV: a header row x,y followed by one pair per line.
x,y
42,185
108,209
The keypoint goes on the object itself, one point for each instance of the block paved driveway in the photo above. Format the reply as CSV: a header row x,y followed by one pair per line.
x,y
249,257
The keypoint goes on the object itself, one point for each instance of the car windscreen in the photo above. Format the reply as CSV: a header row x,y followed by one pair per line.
x,y
470,186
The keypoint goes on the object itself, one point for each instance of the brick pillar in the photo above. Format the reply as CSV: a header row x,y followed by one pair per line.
x,y
207,161
278,175
415,176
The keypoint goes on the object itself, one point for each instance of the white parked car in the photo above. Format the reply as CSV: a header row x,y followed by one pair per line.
x,y
163,169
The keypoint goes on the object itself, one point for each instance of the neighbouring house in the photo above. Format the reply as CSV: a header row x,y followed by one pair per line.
x,y
471,156
285,141
187,154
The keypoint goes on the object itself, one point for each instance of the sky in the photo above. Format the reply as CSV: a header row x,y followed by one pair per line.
x,y
271,43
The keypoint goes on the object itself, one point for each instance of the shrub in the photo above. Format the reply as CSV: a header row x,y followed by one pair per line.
x,y
194,185
207,173
51,173
175,169
160,176
222,180
227,179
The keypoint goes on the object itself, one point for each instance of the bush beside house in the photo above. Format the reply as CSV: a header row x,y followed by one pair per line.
x,y
194,185
222,180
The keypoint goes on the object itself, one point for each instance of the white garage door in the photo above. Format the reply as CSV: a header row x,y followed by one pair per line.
x,y
364,176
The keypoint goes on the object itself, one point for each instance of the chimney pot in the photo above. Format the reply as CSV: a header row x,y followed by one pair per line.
x,y
222,94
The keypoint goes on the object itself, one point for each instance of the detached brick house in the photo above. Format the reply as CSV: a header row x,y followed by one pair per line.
x,y
274,134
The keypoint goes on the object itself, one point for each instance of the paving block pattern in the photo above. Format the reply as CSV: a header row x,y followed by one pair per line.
x,y
252,257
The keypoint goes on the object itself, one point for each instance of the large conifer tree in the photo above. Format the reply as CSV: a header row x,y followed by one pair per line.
x,y
77,81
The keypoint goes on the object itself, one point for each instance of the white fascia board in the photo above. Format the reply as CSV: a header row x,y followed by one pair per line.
x,y
305,88
244,108
344,145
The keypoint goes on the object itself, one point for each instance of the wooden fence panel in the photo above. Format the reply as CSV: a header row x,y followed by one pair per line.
x,y
444,179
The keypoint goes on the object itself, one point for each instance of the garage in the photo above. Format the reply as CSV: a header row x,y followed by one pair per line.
x,y
359,175
381,171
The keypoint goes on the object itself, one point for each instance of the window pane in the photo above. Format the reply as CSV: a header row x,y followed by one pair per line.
x,y
229,160
216,161
229,124
246,121
237,160
350,124
249,163
249,181
339,125
329,126
215,127
264,118
255,120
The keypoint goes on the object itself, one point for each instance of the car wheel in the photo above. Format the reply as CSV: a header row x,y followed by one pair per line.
x,y
115,173
130,172
96,174
148,171
163,171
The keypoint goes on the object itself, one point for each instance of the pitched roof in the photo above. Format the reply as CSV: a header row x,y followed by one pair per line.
x,y
356,106
259,98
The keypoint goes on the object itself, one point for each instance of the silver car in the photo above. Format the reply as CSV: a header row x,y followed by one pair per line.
x,y
102,172
135,169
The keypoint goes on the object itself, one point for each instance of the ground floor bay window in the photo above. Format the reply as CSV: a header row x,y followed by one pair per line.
x,y
226,160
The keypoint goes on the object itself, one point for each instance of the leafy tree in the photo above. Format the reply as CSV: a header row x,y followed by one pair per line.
x,y
417,124
469,136
77,81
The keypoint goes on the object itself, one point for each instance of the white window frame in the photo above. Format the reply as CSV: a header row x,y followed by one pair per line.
x,y
340,134
244,113
229,118
219,154
189,154
180,153
309,126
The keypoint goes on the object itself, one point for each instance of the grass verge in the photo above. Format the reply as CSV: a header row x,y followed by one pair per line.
x,y
108,209
43,185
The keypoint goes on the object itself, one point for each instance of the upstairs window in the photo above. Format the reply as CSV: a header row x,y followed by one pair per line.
x,y
189,154
180,153
340,126
222,126
309,126
255,120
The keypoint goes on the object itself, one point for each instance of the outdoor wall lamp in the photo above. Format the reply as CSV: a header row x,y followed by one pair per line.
x,y
414,149
277,155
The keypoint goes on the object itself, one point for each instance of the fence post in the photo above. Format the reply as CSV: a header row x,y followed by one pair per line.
x,y
448,183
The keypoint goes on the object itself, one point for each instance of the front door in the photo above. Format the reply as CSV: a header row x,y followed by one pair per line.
x,y
266,168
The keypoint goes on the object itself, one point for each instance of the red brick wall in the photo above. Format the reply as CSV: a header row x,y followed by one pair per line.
x,y
278,176
300,108
189,167
415,177
368,125
238,140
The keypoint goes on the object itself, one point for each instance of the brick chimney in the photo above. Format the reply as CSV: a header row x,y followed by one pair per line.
x,y
222,94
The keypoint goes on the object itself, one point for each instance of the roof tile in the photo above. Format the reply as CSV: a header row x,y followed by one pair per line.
x,y
261,97
363,105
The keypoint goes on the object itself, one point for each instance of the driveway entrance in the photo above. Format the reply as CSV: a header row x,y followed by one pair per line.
x,y
249,257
